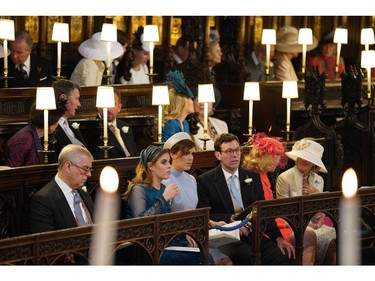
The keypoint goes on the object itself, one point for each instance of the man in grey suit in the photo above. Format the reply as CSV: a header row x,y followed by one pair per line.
x,y
228,189
62,203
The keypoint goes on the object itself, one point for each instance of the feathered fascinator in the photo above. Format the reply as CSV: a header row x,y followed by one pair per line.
x,y
177,80
269,145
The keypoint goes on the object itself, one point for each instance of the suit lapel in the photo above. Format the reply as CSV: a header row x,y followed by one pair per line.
x,y
222,188
62,204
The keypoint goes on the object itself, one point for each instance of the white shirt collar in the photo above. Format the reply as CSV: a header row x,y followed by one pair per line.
x,y
228,175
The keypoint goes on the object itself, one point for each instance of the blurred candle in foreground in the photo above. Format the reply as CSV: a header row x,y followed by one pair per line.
x,y
349,243
105,218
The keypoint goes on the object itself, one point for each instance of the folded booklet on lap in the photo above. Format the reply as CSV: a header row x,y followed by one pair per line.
x,y
220,237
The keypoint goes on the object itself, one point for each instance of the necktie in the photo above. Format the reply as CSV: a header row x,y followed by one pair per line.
x,y
117,133
23,72
77,208
233,190
70,133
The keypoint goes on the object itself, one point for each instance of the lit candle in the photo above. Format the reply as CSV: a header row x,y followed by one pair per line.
x,y
338,56
105,217
349,244
151,56
105,123
268,58
250,115
160,120
304,49
288,102
5,45
46,126
58,55
108,58
205,122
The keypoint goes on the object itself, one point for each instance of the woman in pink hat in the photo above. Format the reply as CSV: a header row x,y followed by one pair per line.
x,y
301,180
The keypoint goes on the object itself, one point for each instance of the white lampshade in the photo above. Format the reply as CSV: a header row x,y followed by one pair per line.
x,y
269,36
160,95
290,89
367,36
6,29
305,36
206,93
151,33
105,97
60,32
341,36
109,32
45,98
251,91
368,59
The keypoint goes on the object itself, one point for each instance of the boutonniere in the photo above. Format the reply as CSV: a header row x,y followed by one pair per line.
x,y
76,125
125,129
84,188
248,180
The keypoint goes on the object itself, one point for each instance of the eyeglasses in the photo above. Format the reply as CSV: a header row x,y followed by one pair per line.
x,y
232,151
84,170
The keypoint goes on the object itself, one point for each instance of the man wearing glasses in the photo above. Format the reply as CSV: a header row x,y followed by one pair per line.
x,y
62,203
228,190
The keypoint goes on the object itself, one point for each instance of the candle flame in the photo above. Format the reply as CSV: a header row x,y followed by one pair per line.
x,y
349,183
109,180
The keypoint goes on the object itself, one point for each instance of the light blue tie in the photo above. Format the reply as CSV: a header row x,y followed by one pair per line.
x,y
77,208
233,190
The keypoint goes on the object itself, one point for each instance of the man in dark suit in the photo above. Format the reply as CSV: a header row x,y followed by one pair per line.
x,y
27,69
122,141
228,189
58,205
67,95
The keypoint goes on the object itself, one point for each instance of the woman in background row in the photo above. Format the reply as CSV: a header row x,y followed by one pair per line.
x,y
180,106
302,179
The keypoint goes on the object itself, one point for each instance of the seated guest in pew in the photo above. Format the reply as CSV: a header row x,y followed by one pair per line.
x,y
67,95
120,134
180,106
90,70
148,196
27,69
227,190
181,149
256,63
215,126
265,156
62,203
23,148
302,179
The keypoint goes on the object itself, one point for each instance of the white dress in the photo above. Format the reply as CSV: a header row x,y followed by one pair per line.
x,y
138,77
220,127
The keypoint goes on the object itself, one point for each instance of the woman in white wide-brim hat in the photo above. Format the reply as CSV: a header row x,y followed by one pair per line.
x,y
287,48
90,69
302,179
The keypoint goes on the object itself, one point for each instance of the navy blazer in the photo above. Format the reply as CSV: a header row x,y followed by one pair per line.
x,y
63,140
40,74
213,192
49,209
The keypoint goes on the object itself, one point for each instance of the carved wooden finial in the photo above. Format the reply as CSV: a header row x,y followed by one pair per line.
x,y
351,86
315,89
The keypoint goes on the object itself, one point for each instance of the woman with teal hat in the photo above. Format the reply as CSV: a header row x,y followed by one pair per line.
x,y
180,106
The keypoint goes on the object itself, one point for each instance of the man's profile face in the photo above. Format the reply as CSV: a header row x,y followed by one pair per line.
x,y
19,51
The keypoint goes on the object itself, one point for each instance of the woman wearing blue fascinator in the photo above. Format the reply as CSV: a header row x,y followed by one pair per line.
x,y
180,106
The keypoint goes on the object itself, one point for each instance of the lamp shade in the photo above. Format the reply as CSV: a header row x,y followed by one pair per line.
x,y
6,29
305,36
109,32
60,32
45,98
151,33
105,97
160,95
290,89
341,36
368,59
251,91
206,93
269,36
367,36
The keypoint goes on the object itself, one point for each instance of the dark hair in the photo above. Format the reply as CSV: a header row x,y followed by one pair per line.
x,y
37,116
137,43
224,138
122,37
63,87
182,147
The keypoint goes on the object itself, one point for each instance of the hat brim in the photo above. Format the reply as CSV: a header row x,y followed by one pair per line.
x,y
97,50
308,157
175,139
295,48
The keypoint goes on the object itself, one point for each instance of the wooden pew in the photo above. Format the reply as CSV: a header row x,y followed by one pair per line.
x,y
71,246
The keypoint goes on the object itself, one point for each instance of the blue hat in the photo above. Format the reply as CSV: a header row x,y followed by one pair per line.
x,y
148,153
177,80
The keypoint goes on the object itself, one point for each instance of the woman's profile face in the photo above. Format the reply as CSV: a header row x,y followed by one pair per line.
x,y
328,50
189,107
216,54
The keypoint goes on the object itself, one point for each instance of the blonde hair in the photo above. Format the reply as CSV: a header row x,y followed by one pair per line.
x,y
177,104
255,161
